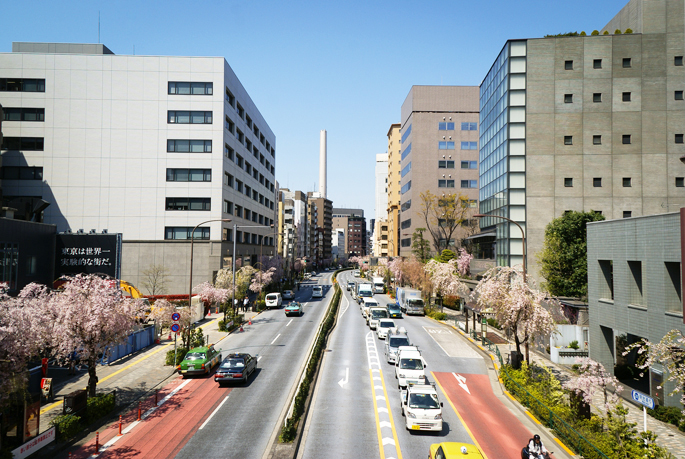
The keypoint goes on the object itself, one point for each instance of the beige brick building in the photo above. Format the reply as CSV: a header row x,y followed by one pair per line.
x,y
393,189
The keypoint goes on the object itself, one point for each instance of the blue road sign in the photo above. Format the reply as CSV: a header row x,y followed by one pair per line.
x,y
175,328
643,399
175,316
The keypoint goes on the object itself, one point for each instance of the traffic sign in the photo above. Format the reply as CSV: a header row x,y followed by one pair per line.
x,y
175,316
643,399
175,328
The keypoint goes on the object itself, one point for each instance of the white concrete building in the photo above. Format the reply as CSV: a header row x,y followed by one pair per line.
x,y
146,146
381,194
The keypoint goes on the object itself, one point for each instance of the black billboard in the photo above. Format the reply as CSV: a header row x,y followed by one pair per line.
x,y
88,254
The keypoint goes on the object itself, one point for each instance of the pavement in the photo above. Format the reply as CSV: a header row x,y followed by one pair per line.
x,y
668,435
136,378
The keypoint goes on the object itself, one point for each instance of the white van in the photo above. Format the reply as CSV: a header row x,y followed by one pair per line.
x,y
317,291
366,304
409,366
274,300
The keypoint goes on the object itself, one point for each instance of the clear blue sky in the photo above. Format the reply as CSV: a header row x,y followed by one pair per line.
x,y
341,66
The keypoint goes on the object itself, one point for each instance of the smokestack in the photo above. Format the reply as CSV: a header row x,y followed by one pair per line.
x,y
322,163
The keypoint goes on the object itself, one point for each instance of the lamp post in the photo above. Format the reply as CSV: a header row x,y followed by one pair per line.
x,y
523,235
192,240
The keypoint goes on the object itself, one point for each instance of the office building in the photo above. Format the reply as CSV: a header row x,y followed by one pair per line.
x,y
586,123
439,154
145,146
293,228
394,185
321,227
354,223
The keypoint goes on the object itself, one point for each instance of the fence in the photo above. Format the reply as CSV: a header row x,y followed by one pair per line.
x,y
568,434
135,342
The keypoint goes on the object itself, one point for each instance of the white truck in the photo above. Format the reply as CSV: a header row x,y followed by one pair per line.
x,y
409,366
410,302
421,408
364,290
378,285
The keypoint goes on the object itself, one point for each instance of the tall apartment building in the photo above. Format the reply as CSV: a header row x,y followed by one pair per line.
x,y
354,223
394,185
439,153
587,123
381,207
321,228
145,146
293,228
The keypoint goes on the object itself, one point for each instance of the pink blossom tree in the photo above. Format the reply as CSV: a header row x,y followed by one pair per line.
x,y
88,317
594,378
212,294
464,263
261,279
516,305
445,279
395,267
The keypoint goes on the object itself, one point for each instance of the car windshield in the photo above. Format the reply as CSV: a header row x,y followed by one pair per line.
x,y
399,341
379,314
385,324
195,356
411,364
423,401
272,297
233,363
415,302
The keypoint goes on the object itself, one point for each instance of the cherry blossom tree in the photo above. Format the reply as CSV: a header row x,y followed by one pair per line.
x,y
212,294
356,260
594,378
517,305
395,267
445,279
464,263
88,317
161,312
261,279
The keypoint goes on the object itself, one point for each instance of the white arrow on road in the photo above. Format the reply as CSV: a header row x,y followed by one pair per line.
x,y
462,382
344,381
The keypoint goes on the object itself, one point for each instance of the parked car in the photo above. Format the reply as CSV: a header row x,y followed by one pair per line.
x,y
317,291
274,300
235,367
452,450
394,311
199,361
293,309
383,327
288,295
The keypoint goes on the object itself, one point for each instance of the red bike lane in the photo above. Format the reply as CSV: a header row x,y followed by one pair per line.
x,y
166,430
498,432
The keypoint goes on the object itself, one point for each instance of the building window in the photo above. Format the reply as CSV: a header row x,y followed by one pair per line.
x,y
469,126
626,97
446,126
680,182
596,140
184,233
597,63
22,84
445,183
469,145
673,284
406,187
469,164
627,214
445,164
597,182
469,184
568,65
406,152
189,146
239,161
241,111
568,140
627,63
230,98
24,114
627,182
228,207
568,182
229,152
188,175
678,61
185,87
635,281
678,95
568,98
597,97
189,117
22,143
679,138
406,223
405,242
626,139
405,206
446,145
21,173
607,276
406,169
228,179
188,204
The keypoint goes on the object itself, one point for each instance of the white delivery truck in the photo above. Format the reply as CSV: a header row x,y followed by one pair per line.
x,y
378,285
410,302
364,290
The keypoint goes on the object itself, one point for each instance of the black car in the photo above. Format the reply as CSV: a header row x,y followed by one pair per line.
x,y
235,367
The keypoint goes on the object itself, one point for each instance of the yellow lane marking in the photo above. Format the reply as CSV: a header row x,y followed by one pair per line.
x,y
533,417
510,396
392,423
378,421
54,405
570,453
475,442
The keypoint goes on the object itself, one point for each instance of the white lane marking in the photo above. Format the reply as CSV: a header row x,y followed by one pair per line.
x,y
259,358
213,413
291,321
161,402
436,342
382,410
380,397
385,424
275,338
462,382
346,379
388,441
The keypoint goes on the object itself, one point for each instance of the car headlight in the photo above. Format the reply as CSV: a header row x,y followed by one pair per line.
x,y
438,416
401,375
411,415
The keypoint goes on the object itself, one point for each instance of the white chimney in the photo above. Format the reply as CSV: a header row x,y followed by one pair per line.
x,y
322,163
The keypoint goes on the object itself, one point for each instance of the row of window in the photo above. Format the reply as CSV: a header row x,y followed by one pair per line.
x,y
188,175
253,171
24,114
447,164
21,173
247,214
22,143
626,63
406,187
406,169
247,190
189,117
449,126
188,146
406,151
405,134
184,233
191,88
230,126
230,98
625,97
626,181
22,84
188,204
626,139
448,145
464,183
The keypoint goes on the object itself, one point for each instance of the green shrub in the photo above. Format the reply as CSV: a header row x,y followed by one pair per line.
x,y
99,406
583,34
437,315
617,32
493,323
629,30
573,345
595,32
606,32
180,354
670,414
66,425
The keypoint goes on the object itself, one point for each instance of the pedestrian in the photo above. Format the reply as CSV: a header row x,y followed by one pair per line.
x,y
245,303
235,304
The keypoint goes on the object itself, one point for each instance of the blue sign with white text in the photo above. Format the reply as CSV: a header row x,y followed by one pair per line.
x,y
643,399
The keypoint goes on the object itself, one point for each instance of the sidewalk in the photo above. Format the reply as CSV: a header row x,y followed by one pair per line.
x,y
669,436
135,378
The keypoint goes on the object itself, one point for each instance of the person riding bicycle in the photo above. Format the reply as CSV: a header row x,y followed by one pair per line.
x,y
536,450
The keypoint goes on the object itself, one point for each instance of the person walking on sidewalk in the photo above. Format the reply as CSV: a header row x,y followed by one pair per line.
x,y
246,301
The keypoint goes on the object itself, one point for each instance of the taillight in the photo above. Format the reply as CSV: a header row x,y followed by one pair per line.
x,y
178,367
238,375
203,366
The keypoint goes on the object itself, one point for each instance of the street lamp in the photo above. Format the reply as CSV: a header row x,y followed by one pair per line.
x,y
523,235
192,240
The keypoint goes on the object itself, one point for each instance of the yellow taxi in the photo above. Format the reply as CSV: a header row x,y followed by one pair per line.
x,y
452,450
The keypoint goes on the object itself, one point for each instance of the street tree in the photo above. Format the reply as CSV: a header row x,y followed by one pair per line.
x,y
516,305
464,263
593,378
445,278
155,279
212,294
395,267
563,259
443,216
261,279
420,247
161,312
88,317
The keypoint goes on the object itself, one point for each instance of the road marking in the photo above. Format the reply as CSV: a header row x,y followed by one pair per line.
x,y
275,338
291,321
213,413
533,417
475,442
259,358
462,382
570,453
346,379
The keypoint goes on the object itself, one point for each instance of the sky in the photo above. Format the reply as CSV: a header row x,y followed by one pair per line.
x,y
346,67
